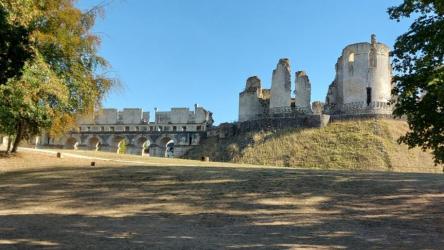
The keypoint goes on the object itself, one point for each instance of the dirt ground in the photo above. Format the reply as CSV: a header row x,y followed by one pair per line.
x,y
53,203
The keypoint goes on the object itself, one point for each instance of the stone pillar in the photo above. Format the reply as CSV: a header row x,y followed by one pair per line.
x,y
281,85
302,91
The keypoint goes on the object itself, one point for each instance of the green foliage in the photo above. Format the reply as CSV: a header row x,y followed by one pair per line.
x,y
27,102
64,79
419,81
14,48
123,145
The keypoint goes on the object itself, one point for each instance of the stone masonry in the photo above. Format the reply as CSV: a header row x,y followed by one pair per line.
x,y
172,133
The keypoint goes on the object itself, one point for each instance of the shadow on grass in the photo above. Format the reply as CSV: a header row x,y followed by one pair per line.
x,y
214,208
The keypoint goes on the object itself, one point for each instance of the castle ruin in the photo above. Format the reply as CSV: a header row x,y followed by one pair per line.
x,y
172,133
256,102
362,87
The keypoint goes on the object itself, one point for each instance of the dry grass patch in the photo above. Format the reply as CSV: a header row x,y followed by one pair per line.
x,y
53,203
352,145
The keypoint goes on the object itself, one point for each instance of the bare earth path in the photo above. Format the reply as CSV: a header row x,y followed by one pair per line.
x,y
53,203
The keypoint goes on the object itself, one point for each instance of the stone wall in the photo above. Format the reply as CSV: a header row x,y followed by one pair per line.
x,y
130,116
105,116
363,76
251,100
346,117
281,85
283,122
302,90
109,128
109,141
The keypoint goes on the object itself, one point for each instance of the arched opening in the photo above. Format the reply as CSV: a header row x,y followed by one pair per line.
x,y
120,144
71,143
351,60
94,143
144,145
351,57
167,145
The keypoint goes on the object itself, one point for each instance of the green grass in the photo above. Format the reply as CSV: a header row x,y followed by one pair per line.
x,y
355,145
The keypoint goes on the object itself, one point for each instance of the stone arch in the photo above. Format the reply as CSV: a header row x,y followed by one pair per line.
x,y
167,145
143,145
71,143
120,144
94,143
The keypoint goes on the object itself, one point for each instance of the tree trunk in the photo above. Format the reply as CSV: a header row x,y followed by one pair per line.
x,y
18,137
9,143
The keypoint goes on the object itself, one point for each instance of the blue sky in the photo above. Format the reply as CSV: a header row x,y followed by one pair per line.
x,y
175,53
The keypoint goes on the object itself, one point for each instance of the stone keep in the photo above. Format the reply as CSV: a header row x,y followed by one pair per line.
x,y
302,91
281,85
363,80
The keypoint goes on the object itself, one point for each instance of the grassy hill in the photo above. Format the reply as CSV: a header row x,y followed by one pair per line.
x,y
359,145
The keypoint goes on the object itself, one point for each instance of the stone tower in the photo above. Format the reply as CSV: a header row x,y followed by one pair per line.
x,y
302,91
281,85
363,80
252,101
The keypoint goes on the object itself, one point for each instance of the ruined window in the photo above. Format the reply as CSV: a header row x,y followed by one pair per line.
x,y
89,129
369,96
184,128
137,128
102,129
80,128
127,128
174,128
151,128
190,140
199,128
111,129
351,58
144,128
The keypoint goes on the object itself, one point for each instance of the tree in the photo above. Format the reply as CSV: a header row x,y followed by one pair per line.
x,y
14,48
66,76
418,60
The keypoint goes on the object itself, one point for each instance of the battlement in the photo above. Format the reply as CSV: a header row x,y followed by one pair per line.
x,y
136,116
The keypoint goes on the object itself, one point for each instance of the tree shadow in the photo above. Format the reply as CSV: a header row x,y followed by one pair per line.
x,y
214,208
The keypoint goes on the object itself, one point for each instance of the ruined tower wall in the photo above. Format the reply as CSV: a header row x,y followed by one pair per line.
x,y
250,100
381,74
363,80
355,71
281,85
249,106
302,90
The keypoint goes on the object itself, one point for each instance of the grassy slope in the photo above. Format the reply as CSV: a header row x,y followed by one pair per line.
x,y
369,144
